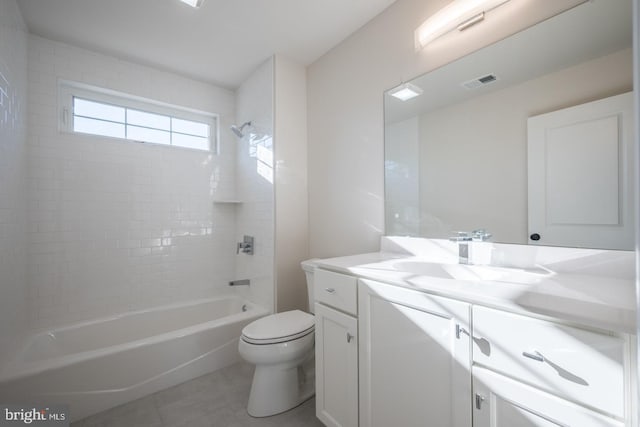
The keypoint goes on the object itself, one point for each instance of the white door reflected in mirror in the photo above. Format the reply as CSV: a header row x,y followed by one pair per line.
x,y
579,165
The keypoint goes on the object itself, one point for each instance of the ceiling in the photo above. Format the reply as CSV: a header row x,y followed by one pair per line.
x,y
220,43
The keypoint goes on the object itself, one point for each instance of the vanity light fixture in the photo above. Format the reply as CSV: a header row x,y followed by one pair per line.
x,y
405,91
193,3
460,14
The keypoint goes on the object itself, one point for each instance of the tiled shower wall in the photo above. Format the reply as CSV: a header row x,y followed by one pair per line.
x,y
117,225
13,166
254,178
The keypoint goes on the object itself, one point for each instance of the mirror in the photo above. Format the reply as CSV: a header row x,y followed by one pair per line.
x,y
461,156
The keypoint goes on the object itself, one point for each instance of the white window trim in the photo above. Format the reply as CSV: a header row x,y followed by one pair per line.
x,y
67,90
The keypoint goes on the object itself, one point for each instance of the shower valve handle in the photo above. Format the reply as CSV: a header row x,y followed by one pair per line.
x,y
246,246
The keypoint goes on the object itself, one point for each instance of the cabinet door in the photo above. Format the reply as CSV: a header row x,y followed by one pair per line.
x,y
503,402
414,358
336,368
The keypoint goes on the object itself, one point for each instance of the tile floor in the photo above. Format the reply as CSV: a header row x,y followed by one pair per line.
x,y
218,399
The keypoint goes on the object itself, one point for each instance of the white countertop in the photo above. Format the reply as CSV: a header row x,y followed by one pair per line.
x,y
604,301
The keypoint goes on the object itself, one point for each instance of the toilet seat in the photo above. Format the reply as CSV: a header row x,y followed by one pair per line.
x,y
278,328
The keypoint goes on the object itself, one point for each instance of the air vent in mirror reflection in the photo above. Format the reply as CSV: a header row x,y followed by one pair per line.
x,y
480,81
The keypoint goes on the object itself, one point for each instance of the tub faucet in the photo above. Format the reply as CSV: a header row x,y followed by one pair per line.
x,y
464,238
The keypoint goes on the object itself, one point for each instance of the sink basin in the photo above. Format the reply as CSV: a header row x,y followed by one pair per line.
x,y
424,269
473,272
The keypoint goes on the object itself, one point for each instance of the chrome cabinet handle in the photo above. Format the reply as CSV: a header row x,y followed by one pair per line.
x,y
479,400
330,290
349,337
534,356
460,330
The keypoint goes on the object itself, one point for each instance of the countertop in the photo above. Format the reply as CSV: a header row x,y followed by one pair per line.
x,y
598,301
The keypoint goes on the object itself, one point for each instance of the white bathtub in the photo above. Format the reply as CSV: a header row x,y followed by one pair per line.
x,y
95,365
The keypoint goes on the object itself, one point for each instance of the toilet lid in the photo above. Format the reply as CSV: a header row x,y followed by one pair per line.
x,y
279,327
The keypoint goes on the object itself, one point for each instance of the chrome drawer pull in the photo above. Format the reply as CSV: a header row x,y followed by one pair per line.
x,y
349,337
535,356
330,290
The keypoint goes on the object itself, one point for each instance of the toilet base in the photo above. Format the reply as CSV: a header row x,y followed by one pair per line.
x,y
274,391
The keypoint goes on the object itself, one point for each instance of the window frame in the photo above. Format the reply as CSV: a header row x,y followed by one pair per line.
x,y
68,90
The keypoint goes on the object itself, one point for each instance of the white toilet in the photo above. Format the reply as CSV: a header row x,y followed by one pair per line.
x,y
282,348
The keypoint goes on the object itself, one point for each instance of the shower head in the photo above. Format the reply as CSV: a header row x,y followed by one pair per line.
x,y
239,130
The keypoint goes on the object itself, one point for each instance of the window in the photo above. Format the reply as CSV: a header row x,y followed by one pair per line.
x,y
101,112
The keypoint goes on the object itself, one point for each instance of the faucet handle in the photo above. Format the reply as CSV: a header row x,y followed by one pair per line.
x,y
246,246
480,235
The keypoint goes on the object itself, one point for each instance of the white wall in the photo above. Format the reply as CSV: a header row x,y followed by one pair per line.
x,y
13,168
345,117
116,225
254,181
490,132
291,200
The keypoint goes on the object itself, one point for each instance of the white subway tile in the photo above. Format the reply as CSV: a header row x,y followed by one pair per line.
x,y
116,225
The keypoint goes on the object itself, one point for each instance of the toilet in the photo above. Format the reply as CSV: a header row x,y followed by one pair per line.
x,y
281,346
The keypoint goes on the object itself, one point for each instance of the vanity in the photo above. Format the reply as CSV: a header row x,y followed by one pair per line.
x,y
410,337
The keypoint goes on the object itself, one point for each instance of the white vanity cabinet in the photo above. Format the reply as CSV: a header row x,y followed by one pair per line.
x,y
387,356
531,372
336,349
415,360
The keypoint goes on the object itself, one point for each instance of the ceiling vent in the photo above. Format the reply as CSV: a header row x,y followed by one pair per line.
x,y
480,81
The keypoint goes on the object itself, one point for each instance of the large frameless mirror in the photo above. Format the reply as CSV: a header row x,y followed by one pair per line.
x,y
530,138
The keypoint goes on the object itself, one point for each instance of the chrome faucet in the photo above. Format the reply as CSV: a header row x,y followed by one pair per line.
x,y
463,238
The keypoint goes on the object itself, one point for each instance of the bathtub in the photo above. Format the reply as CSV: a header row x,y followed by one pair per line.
x,y
99,364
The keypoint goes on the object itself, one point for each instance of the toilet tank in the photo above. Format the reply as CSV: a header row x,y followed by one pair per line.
x,y
309,267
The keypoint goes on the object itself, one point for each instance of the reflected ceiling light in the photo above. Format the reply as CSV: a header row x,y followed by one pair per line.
x,y
405,91
460,14
193,3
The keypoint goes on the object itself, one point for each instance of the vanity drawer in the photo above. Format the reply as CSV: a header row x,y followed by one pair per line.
x,y
584,366
336,290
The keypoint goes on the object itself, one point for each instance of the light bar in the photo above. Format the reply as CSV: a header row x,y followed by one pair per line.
x,y
193,3
459,13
